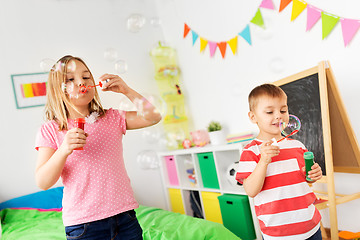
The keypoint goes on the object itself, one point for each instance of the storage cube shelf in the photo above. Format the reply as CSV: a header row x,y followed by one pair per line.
x,y
201,172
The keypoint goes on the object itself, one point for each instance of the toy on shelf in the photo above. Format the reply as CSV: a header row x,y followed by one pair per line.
x,y
231,172
190,171
200,138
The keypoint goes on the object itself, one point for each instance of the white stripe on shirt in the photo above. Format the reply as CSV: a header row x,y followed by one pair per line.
x,y
294,237
284,192
284,166
288,217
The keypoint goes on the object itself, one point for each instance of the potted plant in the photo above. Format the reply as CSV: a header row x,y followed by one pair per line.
x,y
216,133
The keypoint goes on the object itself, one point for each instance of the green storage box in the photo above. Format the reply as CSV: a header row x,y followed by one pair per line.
x,y
208,170
236,215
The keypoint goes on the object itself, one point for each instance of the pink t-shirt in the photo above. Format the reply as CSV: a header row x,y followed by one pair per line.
x,y
96,184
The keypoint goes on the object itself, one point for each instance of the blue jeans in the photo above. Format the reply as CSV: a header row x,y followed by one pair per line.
x,y
316,236
124,226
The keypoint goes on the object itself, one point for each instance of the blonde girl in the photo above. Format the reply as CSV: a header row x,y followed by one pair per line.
x,y
98,201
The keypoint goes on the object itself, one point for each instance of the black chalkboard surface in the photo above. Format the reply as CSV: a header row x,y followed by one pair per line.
x,y
304,102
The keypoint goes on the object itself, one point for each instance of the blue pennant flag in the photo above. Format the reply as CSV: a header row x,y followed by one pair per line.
x,y
245,34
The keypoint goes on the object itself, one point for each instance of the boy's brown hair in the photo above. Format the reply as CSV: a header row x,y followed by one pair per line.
x,y
266,89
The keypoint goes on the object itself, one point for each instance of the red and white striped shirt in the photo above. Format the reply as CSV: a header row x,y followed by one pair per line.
x,y
284,206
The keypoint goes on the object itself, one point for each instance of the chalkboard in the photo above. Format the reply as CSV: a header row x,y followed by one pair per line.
x,y
304,102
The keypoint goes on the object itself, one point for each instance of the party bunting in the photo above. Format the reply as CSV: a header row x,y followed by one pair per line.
x,y
267,4
283,4
328,23
349,29
233,42
203,44
298,7
258,19
313,15
349,26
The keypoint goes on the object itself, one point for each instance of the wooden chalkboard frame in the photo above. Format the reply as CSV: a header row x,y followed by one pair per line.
x,y
341,148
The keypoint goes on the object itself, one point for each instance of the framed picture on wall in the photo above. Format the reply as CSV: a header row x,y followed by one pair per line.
x,y
29,89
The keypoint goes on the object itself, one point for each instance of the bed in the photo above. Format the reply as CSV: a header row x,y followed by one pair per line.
x,y
38,216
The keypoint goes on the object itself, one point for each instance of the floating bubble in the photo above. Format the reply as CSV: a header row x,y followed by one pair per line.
x,y
69,89
293,125
149,105
147,159
135,22
277,65
155,22
151,135
121,66
46,64
110,54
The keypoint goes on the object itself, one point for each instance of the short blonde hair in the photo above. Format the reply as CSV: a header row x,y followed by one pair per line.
x,y
58,102
266,89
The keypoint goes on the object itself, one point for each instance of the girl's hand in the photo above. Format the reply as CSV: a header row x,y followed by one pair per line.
x,y
74,138
115,84
315,173
268,151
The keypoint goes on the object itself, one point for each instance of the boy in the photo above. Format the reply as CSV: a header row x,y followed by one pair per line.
x,y
275,175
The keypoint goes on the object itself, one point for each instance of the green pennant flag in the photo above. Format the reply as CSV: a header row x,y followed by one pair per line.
x,y
329,21
258,19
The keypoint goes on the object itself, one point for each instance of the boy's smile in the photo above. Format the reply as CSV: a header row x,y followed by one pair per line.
x,y
269,112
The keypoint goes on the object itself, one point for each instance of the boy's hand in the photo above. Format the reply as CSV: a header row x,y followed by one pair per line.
x,y
268,151
115,84
315,173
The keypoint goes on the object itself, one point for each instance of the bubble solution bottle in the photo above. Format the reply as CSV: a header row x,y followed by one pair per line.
x,y
309,161
79,123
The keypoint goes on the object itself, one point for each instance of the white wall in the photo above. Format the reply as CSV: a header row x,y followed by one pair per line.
x,y
214,88
34,30
217,88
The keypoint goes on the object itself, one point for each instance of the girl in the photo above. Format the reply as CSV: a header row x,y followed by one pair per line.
x,y
98,201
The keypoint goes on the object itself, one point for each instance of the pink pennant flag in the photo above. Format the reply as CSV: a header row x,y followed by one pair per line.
x,y
267,4
349,29
313,15
212,47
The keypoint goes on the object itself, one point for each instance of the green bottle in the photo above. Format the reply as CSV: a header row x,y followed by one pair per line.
x,y
309,161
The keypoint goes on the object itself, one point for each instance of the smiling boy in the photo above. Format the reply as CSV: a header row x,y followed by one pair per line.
x,y
273,174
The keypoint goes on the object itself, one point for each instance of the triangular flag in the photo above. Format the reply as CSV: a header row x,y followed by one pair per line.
x,y
328,23
298,7
283,4
258,19
313,15
195,36
233,44
212,46
267,4
203,44
349,28
186,30
222,47
245,34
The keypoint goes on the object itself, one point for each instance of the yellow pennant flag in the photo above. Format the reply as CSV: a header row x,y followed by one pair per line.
x,y
203,44
233,44
298,7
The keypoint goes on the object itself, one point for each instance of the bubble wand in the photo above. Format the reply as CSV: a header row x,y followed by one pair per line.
x,y
84,89
293,125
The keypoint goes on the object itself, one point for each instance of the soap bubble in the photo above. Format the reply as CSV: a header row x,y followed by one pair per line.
x,y
110,54
145,106
147,159
46,64
135,22
152,135
121,66
69,89
293,125
277,65
155,22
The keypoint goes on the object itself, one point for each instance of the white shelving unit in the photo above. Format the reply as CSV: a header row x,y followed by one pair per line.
x,y
174,166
